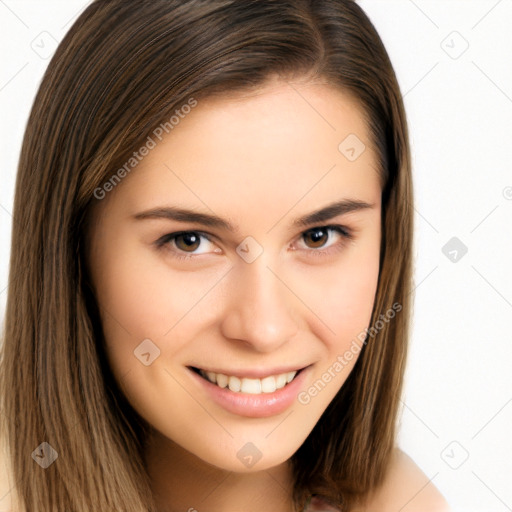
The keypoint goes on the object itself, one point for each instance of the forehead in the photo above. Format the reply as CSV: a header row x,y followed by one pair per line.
x,y
286,142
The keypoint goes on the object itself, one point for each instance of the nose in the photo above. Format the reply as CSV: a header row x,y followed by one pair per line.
x,y
259,307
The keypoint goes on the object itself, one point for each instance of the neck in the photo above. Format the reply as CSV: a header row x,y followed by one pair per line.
x,y
182,482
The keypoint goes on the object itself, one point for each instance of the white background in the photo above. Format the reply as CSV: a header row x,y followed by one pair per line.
x,y
457,414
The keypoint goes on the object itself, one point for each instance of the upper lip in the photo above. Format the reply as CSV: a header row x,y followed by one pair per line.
x,y
253,373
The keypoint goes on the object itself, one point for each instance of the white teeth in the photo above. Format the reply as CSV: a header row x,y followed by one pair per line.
x,y
268,384
251,386
234,384
222,380
290,376
281,380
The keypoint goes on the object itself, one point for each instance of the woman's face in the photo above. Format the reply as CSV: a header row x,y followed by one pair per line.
x,y
261,281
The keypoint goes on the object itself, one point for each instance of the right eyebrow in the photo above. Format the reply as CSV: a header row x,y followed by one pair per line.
x,y
186,215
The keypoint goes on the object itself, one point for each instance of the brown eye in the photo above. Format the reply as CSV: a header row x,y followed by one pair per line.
x,y
185,245
187,241
317,236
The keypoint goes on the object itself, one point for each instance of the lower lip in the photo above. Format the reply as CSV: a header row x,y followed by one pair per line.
x,y
253,406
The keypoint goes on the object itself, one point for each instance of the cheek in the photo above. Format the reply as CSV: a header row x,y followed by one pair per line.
x,y
343,296
140,297
140,300
356,294
132,308
343,306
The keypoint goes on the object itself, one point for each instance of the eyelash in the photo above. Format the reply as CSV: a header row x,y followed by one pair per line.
x,y
346,236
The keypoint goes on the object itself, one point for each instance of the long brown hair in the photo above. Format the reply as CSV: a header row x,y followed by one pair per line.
x,y
122,69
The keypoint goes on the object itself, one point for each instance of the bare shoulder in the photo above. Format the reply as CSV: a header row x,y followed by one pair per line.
x,y
5,487
8,501
405,488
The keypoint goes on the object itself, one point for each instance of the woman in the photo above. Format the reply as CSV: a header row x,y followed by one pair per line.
x,y
211,266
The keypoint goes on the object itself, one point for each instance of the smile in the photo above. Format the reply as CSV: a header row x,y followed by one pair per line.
x,y
248,385
252,393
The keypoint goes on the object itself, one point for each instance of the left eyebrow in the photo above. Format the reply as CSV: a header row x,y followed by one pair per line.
x,y
185,215
332,210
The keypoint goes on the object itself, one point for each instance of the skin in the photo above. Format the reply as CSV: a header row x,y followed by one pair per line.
x,y
260,161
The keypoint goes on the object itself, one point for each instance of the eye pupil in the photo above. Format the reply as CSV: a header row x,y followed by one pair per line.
x,y
317,236
191,241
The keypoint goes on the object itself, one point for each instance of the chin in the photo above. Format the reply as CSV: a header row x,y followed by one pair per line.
x,y
245,456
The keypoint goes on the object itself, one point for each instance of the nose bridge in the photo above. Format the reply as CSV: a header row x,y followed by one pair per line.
x,y
259,309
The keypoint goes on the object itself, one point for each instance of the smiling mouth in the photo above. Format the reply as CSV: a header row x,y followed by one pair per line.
x,y
248,385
